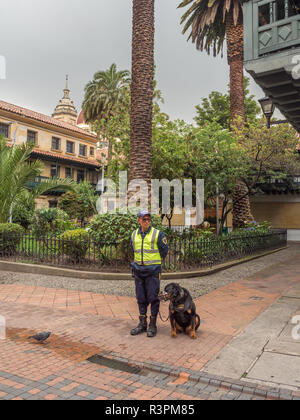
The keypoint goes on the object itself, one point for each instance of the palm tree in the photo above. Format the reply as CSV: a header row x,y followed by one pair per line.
x,y
142,89
211,21
103,95
17,172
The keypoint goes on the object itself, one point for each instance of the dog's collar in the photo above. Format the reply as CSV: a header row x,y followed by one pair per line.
x,y
178,308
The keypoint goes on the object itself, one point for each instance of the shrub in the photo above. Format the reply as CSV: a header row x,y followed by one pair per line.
x,y
74,244
258,227
116,229
81,203
23,209
50,222
10,235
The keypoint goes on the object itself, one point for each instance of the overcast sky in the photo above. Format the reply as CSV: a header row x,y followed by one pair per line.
x,y
43,40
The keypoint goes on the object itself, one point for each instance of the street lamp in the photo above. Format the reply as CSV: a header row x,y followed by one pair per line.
x,y
268,108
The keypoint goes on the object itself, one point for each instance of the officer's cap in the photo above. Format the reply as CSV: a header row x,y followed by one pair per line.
x,y
143,213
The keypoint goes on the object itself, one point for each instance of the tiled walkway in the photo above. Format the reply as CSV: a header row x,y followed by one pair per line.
x,y
84,324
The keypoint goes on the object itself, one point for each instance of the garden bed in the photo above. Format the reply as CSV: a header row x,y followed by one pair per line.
x,y
186,253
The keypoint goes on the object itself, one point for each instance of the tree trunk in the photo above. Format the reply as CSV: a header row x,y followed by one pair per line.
x,y
235,56
142,91
241,212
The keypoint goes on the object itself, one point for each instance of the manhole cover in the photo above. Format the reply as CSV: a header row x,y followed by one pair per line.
x,y
116,364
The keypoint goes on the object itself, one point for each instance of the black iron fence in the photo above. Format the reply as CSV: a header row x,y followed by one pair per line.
x,y
185,252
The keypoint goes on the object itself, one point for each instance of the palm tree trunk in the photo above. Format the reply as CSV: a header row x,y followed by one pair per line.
x,y
142,91
235,55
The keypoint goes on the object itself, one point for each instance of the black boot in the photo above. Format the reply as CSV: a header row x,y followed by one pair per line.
x,y
142,327
152,330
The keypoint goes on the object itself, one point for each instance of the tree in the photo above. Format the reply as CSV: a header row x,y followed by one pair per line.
x,y
217,108
103,96
142,89
80,203
210,22
23,209
17,172
268,153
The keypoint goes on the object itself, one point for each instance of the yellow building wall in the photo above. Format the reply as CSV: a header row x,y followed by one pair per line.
x,y
280,215
44,139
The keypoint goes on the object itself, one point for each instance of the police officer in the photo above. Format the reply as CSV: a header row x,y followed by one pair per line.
x,y
150,247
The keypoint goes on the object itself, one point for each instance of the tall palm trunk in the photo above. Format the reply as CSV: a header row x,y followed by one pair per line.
x,y
235,55
142,90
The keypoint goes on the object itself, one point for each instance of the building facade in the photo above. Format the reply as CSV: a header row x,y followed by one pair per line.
x,y
66,150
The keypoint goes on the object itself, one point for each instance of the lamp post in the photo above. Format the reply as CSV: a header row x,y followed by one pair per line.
x,y
268,109
14,138
102,180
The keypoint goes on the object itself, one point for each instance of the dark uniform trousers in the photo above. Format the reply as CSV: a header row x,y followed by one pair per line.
x,y
147,286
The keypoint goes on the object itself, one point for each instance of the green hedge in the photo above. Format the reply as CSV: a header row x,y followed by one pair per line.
x,y
10,235
74,244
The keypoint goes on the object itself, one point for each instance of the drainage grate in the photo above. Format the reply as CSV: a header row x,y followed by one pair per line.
x,y
116,364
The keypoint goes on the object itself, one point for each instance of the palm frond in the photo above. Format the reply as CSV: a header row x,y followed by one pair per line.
x,y
206,21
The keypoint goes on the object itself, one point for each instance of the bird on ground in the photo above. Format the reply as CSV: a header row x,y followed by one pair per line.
x,y
41,337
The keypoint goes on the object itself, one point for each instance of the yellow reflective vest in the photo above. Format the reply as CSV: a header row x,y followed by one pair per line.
x,y
146,250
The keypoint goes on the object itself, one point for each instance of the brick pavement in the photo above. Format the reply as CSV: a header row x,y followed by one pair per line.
x,y
84,324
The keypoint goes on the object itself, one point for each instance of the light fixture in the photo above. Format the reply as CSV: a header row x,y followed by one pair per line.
x,y
268,108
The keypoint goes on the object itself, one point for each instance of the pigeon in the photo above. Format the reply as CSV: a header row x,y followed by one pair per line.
x,y
41,337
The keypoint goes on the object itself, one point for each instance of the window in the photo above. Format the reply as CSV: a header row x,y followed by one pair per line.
x,y
82,150
92,151
55,170
4,129
55,143
278,10
264,14
69,173
80,175
93,177
70,147
52,204
31,136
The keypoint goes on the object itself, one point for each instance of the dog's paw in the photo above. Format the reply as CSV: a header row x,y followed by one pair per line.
x,y
193,335
173,334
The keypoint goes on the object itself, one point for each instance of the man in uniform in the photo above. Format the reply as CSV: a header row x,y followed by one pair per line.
x,y
150,247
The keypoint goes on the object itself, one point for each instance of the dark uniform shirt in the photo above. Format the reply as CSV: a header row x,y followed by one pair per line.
x,y
163,250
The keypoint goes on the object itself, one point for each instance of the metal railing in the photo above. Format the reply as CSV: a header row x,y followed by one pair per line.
x,y
185,253
39,179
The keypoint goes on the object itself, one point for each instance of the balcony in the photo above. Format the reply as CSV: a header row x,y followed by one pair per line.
x,y
39,179
272,52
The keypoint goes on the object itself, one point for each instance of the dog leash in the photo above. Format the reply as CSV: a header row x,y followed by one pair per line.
x,y
163,320
162,298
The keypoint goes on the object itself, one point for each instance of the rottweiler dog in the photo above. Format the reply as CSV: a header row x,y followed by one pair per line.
x,y
182,310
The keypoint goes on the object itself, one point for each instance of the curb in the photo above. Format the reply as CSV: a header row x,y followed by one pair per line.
x,y
235,386
92,275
